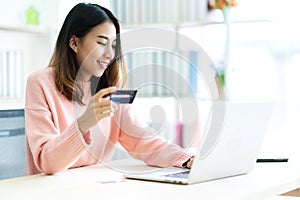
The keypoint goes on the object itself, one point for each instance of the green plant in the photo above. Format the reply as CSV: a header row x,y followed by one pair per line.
x,y
220,72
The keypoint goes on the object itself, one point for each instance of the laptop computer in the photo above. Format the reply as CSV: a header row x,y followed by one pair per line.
x,y
228,151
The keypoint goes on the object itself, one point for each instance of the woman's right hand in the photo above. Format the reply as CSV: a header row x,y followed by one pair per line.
x,y
98,108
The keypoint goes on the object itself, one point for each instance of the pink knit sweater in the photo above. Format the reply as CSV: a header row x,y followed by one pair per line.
x,y
55,143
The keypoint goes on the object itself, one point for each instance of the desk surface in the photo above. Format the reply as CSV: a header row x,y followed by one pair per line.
x,y
101,182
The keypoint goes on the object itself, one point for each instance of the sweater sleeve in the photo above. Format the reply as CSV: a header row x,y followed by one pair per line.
x,y
52,151
144,144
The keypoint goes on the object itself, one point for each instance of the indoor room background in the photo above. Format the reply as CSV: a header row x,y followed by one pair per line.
x,y
258,47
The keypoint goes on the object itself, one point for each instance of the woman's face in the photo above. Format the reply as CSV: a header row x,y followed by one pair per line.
x,y
96,50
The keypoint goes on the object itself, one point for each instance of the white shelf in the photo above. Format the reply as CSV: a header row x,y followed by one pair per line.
x,y
34,29
11,103
29,51
188,24
170,24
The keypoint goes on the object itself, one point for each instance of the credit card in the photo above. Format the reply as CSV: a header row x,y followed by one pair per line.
x,y
123,96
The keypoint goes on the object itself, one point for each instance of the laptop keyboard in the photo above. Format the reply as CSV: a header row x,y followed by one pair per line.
x,y
184,174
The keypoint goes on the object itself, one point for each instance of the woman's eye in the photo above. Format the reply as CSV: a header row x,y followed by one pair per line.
x,y
101,43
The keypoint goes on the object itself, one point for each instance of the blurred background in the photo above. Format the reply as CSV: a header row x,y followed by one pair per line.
x,y
254,44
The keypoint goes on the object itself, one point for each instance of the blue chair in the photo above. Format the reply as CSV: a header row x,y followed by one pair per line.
x,y
12,143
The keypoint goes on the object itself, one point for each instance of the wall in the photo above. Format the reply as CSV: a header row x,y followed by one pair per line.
x,y
34,44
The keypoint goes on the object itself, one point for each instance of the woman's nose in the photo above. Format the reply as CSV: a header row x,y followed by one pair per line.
x,y
109,52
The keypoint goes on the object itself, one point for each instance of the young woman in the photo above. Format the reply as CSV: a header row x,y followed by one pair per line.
x,y
69,120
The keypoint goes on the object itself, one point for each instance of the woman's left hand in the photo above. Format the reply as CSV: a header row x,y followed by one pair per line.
x,y
190,162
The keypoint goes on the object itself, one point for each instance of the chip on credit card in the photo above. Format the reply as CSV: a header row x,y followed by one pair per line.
x,y
123,96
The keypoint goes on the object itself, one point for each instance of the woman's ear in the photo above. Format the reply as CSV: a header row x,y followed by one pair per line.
x,y
73,43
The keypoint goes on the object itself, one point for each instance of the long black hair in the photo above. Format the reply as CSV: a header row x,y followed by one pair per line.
x,y
79,21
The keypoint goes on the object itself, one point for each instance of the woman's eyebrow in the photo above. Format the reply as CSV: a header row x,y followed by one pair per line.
x,y
107,38
102,36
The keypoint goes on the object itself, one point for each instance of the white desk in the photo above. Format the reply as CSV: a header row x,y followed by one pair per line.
x,y
93,182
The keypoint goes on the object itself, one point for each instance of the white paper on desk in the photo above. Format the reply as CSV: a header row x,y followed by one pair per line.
x,y
110,178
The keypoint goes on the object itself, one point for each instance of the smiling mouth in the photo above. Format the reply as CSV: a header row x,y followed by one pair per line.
x,y
103,65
